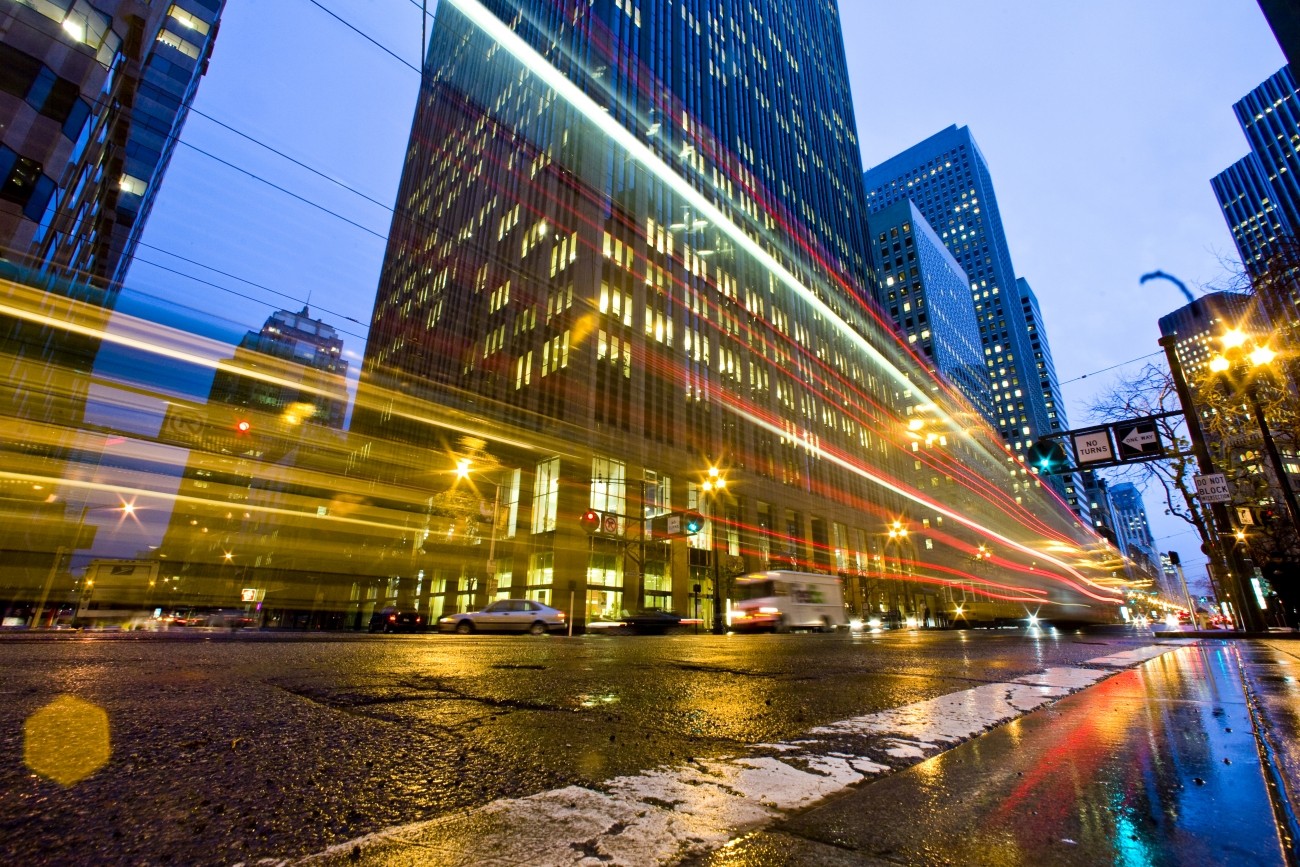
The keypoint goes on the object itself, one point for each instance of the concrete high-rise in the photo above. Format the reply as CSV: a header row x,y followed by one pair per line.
x,y
312,384
629,250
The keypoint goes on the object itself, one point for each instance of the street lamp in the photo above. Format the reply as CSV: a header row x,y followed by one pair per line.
x,y
714,484
1247,360
463,468
897,534
1226,556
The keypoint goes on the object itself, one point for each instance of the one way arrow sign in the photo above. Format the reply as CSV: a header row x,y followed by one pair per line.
x,y
1138,441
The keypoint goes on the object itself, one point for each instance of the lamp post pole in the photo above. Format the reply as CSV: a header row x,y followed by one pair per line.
x,y
1252,619
1274,457
714,485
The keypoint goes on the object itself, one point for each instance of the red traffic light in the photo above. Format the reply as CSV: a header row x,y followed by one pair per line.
x,y
590,520
243,426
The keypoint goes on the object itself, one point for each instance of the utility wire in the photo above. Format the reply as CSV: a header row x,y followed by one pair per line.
x,y
1113,366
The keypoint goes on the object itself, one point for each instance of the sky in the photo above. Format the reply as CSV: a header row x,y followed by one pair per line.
x,y
1102,123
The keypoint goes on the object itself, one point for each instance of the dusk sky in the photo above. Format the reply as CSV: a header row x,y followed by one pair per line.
x,y
1102,124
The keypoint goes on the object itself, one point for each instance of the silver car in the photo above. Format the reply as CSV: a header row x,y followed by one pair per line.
x,y
506,615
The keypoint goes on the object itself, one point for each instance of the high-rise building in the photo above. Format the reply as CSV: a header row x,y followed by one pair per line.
x,y
95,95
629,253
1284,17
1069,485
261,445
1260,194
1134,531
948,180
1195,329
312,386
1249,206
92,96
928,296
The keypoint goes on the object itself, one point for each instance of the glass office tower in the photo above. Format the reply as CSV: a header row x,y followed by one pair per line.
x,y
628,262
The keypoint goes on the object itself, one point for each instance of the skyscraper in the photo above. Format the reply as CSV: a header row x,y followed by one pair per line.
x,y
97,94
948,180
1069,485
1284,17
629,254
928,296
92,96
1260,194
312,385
1134,531
1249,206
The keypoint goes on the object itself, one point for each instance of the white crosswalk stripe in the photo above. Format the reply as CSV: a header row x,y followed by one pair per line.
x,y
663,815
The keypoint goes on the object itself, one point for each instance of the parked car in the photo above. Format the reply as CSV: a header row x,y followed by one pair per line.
x,y
390,619
506,615
647,621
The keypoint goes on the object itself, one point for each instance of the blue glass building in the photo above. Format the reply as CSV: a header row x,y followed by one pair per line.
x,y
94,97
928,295
1260,194
948,179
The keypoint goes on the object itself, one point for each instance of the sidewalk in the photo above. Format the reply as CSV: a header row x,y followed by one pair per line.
x,y
1156,765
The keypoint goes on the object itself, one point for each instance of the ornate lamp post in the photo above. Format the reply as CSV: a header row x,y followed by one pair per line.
x,y
1248,361
1225,555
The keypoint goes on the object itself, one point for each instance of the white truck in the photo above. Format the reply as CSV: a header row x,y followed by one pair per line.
x,y
781,601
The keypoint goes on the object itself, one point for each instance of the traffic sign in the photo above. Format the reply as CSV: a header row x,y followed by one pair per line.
x,y
1213,488
1093,446
1137,440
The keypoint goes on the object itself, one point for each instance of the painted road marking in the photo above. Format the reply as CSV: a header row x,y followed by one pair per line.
x,y
664,815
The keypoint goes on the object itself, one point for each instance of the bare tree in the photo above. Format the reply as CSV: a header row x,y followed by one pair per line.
x,y
1151,392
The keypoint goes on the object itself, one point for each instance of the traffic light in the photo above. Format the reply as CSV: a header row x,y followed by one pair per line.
x,y
693,522
243,426
1047,457
590,520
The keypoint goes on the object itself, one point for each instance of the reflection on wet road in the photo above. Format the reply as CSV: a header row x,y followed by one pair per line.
x,y
1156,765
241,747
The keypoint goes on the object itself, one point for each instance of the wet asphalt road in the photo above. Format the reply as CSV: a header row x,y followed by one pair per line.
x,y
231,748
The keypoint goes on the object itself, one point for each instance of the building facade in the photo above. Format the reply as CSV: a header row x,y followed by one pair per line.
x,y
315,389
1133,532
97,94
92,97
628,254
927,295
1260,194
1284,18
948,179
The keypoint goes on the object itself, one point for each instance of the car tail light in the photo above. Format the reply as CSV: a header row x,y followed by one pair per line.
x,y
392,617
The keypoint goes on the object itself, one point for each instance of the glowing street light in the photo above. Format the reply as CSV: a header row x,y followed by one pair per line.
x,y
1239,354
714,484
